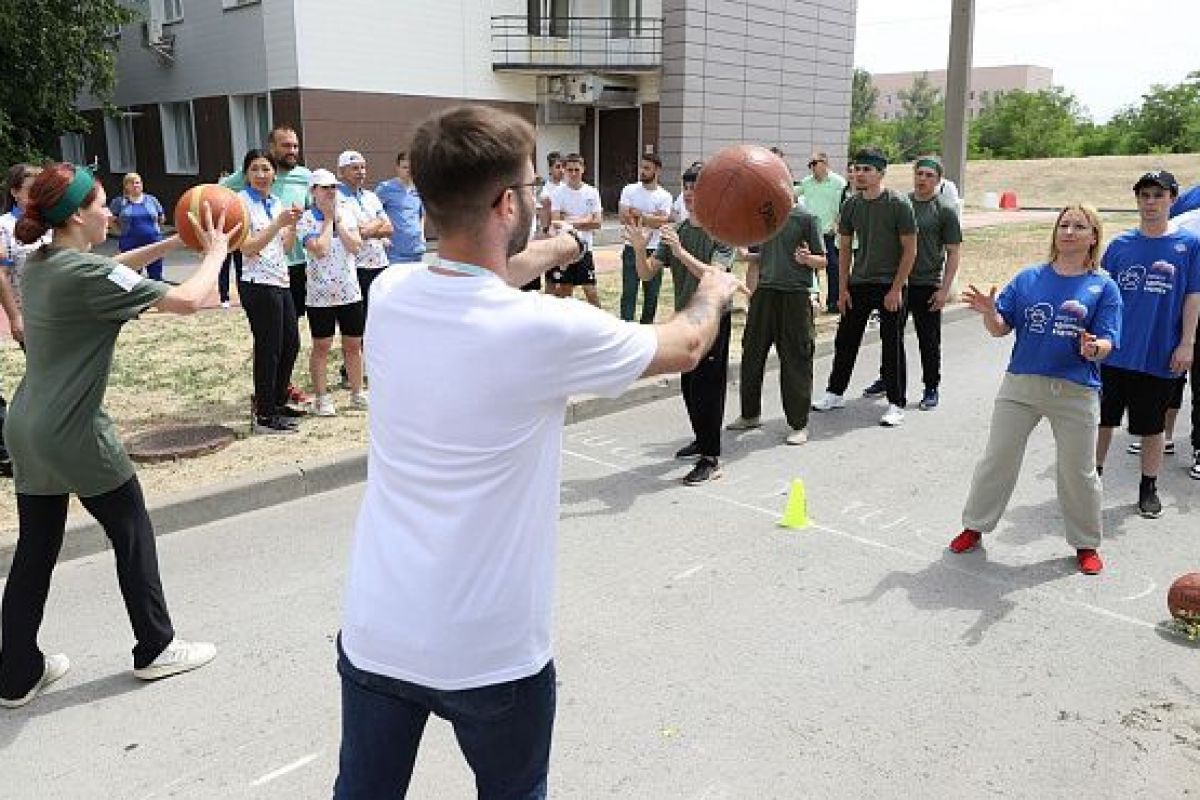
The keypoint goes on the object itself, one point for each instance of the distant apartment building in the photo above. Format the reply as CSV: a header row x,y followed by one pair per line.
x,y
199,82
987,84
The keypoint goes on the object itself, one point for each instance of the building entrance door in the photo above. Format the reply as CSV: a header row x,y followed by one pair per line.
x,y
617,152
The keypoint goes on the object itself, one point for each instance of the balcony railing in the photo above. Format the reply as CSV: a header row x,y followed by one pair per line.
x,y
606,44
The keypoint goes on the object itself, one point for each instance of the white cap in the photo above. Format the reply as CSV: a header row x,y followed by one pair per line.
x,y
349,157
322,177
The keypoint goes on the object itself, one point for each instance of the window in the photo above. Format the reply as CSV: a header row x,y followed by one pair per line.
x,y
626,18
560,18
72,148
179,138
250,122
118,135
533,17
172,11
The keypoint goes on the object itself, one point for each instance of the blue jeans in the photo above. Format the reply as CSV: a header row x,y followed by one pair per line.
x,y
503,731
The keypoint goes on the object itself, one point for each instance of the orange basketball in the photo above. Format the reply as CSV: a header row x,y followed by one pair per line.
x,y
218,197
743,195
1183,598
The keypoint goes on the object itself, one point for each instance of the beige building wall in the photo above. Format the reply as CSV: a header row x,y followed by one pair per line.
x,y
987,83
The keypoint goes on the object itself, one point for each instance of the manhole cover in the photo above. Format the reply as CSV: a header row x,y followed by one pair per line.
x,y
170,442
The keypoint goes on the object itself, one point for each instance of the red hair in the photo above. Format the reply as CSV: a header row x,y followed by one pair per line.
x,y
47,189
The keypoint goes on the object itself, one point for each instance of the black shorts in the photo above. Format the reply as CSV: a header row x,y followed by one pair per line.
x,y
1177,398
1146,396
581,273
349,319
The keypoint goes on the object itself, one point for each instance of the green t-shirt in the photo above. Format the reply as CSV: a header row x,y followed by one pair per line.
x,y
823,198
777,267
60,439
937,226
878,225
290,186
706,249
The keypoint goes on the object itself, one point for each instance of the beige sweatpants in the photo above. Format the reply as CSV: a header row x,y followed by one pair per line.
x,y
1074,413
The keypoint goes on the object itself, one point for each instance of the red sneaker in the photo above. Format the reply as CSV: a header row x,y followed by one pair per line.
x,y
1089,561
965,541
296,397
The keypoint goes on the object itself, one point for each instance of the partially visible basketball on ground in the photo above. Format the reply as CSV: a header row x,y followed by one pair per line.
x,y
219,198
1183,598
743,195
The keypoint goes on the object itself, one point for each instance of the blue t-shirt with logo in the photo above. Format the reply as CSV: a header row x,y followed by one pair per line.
x,y
405,209
1154,275
1047,311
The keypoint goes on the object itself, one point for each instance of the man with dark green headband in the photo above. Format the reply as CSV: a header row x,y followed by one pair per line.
x,y
873,277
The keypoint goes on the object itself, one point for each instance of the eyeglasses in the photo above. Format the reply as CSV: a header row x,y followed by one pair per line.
x,y
531,185
815,161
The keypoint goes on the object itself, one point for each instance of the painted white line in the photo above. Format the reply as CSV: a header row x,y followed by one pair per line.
x,y
893,524
687,573
891,548
285,769
1141,594
869,514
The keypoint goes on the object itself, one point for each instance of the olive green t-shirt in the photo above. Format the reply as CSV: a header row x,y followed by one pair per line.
x,y
60,439
878,224
777,267
706,249
937,226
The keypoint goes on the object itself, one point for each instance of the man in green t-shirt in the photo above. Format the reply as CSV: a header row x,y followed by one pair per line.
x,y
822,192
873,277
782,279
688,251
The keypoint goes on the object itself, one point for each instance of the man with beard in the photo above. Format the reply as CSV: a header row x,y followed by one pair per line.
x,y
644,204
450,588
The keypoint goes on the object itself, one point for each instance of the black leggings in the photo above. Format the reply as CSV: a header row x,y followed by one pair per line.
x,y
276,343
43,518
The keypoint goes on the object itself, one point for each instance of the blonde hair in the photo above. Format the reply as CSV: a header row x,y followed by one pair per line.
x,y
129,178
1093,218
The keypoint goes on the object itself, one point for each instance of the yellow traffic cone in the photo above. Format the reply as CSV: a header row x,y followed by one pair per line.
x,y
796,514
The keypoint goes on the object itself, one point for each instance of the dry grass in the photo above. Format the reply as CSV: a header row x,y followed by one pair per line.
x,y
197,369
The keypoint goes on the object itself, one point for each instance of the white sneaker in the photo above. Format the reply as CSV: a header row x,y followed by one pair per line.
x,y
1135,447
744,424
829,401
893,417
799,436
180,656
323,406
359,399
224,304
56,666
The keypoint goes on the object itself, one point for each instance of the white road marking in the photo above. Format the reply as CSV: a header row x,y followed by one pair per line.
x,y
1150,588
687,573
285,769
891,548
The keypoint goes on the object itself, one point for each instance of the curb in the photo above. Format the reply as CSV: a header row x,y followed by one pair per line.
x,y
84,537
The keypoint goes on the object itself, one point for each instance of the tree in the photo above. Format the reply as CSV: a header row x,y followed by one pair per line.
x,y
863,96
52,50
922,118
1169,118
1023,124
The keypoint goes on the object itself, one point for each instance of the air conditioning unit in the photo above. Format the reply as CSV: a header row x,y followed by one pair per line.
x,y
594,90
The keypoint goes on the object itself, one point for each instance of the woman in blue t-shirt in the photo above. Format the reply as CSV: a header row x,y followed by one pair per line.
x,y
1067,318
137,218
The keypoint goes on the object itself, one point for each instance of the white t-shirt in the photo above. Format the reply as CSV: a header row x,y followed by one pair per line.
x,y
268,266
330,281
366,206
658,201
679,211
13,253
451,578
581,202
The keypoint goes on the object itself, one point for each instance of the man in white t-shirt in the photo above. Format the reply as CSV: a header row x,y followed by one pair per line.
x,y
648,205
451,581
577,203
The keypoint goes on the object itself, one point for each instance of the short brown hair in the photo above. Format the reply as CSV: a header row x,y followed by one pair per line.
x,y
463,156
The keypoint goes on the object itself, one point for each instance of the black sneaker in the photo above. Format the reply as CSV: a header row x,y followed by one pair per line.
x,y
1149,506
290,412
1194,472
706,469
271,426
6,469
691,451
929,400
876,389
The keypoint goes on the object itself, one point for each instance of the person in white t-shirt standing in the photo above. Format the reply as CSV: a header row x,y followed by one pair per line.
x,y
451,582
648,205
579,204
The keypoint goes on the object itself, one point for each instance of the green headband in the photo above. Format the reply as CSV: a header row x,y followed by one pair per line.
x,y
72,198
871,160
932,163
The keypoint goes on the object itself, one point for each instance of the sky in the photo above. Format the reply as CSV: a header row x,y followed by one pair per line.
x,y
1088,43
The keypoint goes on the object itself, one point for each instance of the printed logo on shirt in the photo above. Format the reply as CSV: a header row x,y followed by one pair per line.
x,y
1160,279
1037,317
1130,278
124,277
1070,318
1180,247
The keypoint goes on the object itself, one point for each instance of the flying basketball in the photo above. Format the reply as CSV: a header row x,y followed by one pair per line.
x,y
1183,598
743,195
219,198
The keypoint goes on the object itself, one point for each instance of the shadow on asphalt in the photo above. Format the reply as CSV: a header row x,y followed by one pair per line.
x,y
55,700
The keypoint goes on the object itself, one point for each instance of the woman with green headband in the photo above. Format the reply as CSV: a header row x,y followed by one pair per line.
x,y
60,439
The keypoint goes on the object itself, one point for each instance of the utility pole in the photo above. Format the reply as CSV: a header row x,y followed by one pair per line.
x,y
958,83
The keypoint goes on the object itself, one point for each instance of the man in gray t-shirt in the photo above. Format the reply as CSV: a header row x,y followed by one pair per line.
x,y
873,277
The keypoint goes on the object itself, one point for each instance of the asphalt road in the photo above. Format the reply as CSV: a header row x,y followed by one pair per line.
x,y
703,652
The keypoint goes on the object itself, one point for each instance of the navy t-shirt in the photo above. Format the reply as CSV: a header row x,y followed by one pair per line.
x,y
1047,311
1154,274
